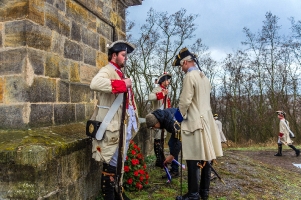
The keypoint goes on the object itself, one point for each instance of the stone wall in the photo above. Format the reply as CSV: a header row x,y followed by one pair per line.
x,y
49,52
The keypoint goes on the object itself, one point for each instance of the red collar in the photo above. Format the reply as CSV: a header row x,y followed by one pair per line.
x,y
115,64
162,87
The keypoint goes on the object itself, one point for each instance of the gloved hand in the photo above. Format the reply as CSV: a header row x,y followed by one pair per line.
x,y
178,116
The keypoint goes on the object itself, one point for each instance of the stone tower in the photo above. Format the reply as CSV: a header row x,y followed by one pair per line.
x,y
49,52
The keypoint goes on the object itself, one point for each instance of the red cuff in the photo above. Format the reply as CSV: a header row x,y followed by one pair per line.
x,y
281,134
159,95
118,86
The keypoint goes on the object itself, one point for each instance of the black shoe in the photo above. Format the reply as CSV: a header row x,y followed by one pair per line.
x,y
189,196
278,154
173,174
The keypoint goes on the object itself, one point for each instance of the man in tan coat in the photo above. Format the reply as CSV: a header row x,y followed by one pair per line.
x,y
200,137
160,100
110,82
284,134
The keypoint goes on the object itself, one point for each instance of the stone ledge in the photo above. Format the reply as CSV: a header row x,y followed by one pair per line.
x,y
52,162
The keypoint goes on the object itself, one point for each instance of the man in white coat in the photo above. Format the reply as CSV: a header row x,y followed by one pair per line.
x,y
220,128
159,98
200,137
110,82
284,134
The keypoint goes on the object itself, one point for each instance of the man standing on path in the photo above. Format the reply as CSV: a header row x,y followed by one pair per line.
x,y
110,82
200,137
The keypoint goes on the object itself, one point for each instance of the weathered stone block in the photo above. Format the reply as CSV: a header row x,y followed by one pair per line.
x,y
104,29
63,91
36,11
43,90
80,112
80,93
87,73
21,33
64,113
13,9
37,60
74,72
52,65
16,89
121,10
76,12
90,38
101,59
56,21
73,51
1,89
90,56
59,4
103,44
76,32
12,61
57,44
64,69
41,115
11,117
1,28
89,110
91,22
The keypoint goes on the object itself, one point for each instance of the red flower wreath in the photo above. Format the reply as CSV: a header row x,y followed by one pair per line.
x,y
135,174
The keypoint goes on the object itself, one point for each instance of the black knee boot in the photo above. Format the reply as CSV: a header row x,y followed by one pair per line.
x,y
205,181
296,150
279,153
193,181
108,182
157,149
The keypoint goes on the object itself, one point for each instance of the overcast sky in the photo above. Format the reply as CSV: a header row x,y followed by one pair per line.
x,y
221,22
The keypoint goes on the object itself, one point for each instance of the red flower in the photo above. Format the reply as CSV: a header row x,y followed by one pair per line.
x,y
135,146
144,166
130,181
136,173
139,156
147,176
126,157
139,186
126,168
133,152
146,182
141,171
135,161
141,178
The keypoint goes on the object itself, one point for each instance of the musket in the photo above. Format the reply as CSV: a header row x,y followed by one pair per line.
x,y
215,172
118,183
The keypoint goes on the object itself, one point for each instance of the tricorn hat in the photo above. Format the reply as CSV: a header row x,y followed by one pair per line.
x,y
163,77
182,54
280,112
120,45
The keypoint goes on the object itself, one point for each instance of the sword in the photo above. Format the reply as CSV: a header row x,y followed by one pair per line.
x,y
215,172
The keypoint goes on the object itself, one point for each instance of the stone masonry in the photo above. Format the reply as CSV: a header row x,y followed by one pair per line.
x,y
49,52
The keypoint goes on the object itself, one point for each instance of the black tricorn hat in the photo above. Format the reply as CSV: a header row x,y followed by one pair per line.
x,y
120,45
163,77
182,54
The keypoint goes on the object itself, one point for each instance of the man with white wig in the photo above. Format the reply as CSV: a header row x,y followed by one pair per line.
x,y
200,137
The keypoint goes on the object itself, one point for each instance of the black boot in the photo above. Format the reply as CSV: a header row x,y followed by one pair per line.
x,y
279,153
108,182
296,150
193,181
205,181
157,149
